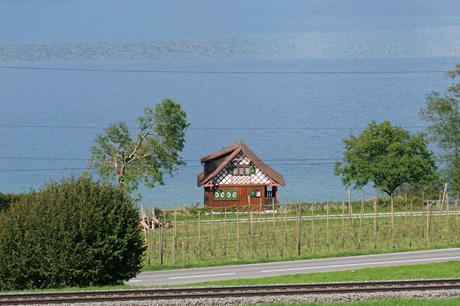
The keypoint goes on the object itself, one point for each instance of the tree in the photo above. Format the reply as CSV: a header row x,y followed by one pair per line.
x,y
74,233
388,157
443,112
153,152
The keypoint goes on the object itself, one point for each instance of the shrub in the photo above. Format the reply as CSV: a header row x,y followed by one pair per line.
x,y
6,199
75,233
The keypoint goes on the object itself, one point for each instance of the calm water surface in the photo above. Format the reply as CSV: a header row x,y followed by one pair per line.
x,y
291,79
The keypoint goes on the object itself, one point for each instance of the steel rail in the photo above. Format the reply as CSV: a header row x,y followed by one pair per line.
x,y
224,292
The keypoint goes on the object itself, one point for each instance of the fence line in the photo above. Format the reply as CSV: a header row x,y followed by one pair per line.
x,y
299,230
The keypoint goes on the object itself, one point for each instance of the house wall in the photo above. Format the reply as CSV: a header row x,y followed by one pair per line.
x,y
243,195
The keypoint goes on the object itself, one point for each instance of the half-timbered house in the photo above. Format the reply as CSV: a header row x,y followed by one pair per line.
x,y
235,176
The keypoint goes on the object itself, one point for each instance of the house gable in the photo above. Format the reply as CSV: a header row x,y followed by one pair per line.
x,y
241,171
217,165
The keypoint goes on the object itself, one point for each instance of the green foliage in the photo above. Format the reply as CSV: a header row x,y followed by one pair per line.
x,y
388,157
144,159
7,199
75,233
443,112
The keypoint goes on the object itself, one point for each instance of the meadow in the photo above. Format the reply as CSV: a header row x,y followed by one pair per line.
x,y
422,271
201,236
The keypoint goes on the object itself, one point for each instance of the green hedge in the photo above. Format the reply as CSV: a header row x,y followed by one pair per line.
x,y
74,233
7,199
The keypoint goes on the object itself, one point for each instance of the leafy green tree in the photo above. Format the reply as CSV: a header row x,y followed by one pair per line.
x,y
145,158
387,157
75,233
443,112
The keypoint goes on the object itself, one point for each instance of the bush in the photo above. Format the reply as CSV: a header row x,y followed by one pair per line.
x,y
75,233
7,199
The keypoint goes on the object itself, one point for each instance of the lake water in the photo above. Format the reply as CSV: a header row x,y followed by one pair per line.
x,y
289,78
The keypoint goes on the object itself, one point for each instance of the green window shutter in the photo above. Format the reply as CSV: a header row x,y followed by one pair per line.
x,y
226,195
229,170
252,193
253,170
219,195
232,195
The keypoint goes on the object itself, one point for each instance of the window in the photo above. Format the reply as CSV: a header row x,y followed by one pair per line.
x,y
254,193
242,170
268,192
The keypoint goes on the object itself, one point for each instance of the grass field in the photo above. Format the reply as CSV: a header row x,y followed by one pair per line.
x,y
425,271
204,237
449,269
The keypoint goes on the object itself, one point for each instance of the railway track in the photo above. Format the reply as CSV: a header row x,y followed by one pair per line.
x,y
226,292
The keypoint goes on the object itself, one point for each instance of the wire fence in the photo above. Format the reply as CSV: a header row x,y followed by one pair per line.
x,y
192,235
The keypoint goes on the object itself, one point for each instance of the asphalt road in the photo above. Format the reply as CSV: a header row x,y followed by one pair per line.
x,y
184,276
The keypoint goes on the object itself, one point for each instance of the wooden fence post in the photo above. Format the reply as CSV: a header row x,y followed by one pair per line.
x,y
174,235
327,225
350,207
250,231
238,232
266,236
428,223
186,235
282,233
423,214
260,216
361,220
299,228
441,209
456,215
410,224
343,223
286,231
199,234
225,231
313,227
447,218
161,240
212,233
376,211
392,221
